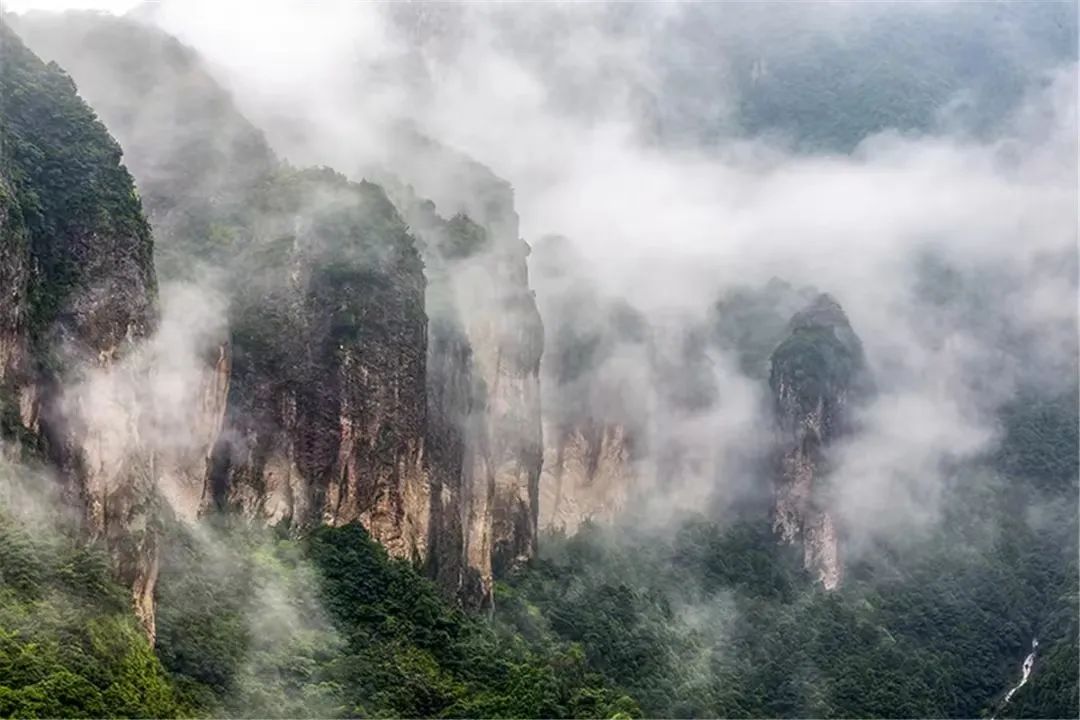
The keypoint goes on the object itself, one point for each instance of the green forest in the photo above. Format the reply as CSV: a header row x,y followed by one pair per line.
x,y
708,619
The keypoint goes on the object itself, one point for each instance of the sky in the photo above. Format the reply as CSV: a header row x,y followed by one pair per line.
x,y
118,7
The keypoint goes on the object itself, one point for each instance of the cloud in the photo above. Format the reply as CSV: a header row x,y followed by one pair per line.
x,y
557,100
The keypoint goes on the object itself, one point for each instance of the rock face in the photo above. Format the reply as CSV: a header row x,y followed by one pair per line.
x,y
630,401
594,406
456,428
505,331
82,292
15,281
327,414
347,386
817,372
453,430
484,311
588,474
200,190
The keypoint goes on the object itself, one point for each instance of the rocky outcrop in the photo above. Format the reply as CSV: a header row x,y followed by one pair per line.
x,y
310,405
189,416
596,408
506,334
14,297
198,190
485,341
327,413
817,373
502,324
457,437
90,295
588,474
331,397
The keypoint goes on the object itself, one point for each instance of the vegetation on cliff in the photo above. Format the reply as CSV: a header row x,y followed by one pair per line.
x,y
330,335
74,196
819,361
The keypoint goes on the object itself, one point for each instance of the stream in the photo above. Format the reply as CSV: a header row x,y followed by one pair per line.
x,y
1025,673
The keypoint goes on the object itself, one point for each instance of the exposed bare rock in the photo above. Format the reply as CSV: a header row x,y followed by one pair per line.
x,y
192,423
327,409
507,338
90,295
588,475
596,393
14,285
340,402
479,275
817,372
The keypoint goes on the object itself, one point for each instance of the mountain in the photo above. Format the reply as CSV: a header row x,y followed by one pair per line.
x,y
82,293
337,441
815,377
281,420
310,409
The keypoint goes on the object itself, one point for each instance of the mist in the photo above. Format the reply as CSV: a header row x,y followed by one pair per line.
x,y
678,213
667,225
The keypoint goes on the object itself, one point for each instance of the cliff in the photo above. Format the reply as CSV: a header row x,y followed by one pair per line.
x,y
596,412
201,184
484,376
79,293
501,321
817,372
345,384
326,410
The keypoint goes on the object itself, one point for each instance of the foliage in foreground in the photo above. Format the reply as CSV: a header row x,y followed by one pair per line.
x,y
331,626
69,644
716,620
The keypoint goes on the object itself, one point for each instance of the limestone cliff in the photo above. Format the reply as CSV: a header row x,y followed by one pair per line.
x,y
817,372
77,252
485,279
320,370
15,284
327,409
340,390
506,334
588,474
456,430
595,390
199,183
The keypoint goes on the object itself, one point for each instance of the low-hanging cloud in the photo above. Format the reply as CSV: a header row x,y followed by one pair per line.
x,y
668,227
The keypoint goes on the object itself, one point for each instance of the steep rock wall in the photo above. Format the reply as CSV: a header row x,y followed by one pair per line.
x,y
429,433
14,297
200,184
595,393
318,379
588,474
487,283
817,372
507,340
327,411
90,296
456,435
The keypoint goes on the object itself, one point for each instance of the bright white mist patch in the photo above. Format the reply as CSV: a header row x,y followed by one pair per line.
x,y
116,7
